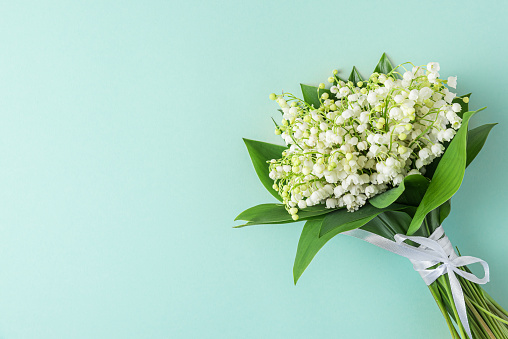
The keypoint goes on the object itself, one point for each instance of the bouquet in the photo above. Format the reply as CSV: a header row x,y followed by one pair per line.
x,y
379,159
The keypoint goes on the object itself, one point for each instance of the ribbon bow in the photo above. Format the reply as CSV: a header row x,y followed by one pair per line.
x,y
434,250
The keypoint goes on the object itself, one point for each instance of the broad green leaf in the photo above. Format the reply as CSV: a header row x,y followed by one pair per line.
x,y
389,223
475,140
261,152
448,176
310,94
277,213
384,65
310,242
355,77
342,220
389,197
414,192
444,210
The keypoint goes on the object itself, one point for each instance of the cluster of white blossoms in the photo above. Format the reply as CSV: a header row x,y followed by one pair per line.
x,y
364,138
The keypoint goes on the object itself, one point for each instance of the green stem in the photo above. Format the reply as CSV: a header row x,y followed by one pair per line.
x,y
480,300
452,303
477,316
496,310
439,302
489,298
487,312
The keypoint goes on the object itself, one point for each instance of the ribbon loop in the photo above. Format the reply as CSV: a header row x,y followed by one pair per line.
x,y
434,250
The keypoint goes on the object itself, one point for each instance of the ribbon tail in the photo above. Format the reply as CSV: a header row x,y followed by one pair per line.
x,y
458,299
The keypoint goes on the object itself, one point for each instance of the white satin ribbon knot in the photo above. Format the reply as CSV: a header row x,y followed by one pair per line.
x,y
434,250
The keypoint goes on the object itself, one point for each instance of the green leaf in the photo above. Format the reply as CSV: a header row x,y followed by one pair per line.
x,y
310,242
311,96
389,197
475,140
342,220
384,65
277,213
389,223
309,245
261,152
414,192
444,211
355,77
448,176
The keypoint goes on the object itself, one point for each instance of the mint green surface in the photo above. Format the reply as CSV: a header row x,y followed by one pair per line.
x,y
122,167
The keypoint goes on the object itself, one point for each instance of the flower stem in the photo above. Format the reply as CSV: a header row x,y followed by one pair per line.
x,y
452,303
439,301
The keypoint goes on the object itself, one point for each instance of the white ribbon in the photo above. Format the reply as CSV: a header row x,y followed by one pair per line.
x,y
434,250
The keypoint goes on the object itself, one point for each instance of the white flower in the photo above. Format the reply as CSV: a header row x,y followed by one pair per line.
x,y
433,67
452,82
396,113
331,203
449,96
456,107
425,93
437,149
344,91
302,204
432,78
408,75
424,153
372,97
398,98
413,95
448,134
347,114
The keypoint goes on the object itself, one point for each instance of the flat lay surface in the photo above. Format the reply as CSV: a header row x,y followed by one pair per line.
x,y
122,167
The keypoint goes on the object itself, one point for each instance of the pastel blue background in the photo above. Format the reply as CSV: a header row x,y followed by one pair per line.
x,y
122,166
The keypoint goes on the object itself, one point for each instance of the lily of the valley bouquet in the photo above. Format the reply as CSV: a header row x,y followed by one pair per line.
x,y
379,159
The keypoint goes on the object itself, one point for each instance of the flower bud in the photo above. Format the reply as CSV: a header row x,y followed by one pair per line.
x,y
272,96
